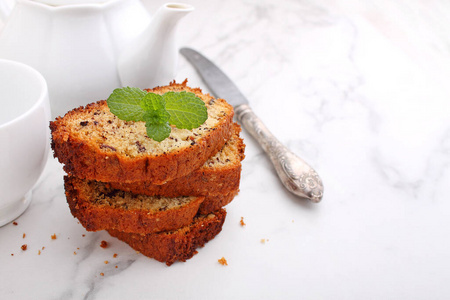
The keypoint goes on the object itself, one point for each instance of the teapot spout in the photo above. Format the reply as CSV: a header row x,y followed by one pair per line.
x,y
151,59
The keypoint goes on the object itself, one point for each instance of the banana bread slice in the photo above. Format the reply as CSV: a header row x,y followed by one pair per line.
x,y
219,175
177,245
93,143
98,207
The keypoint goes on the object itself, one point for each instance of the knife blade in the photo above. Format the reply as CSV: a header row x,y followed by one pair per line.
x,y
296,175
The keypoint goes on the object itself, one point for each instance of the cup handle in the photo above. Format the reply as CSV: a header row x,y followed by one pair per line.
x,y
6,7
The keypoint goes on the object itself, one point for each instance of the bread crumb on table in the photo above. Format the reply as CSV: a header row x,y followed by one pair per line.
x,y
24,247
223,261
54,236
263,241
103,244
115,255
24,235
102,274
15,223
242,221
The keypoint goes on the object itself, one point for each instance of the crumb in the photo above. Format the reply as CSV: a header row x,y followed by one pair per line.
x,y
43,248
102,274
15,223
115,255
116,267
12,254
24,247
54,236
223,261
104,244
74,252
24,235
83,235
106,262
263,241
242,221
78,248
39,252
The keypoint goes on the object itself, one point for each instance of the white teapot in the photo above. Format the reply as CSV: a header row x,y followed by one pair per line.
x,y
87,48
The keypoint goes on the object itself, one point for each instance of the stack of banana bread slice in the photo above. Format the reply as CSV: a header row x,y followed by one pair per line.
x,y
164,199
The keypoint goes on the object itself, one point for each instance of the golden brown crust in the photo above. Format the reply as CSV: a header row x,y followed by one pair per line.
x,y
96,209
178,245
215,202
85,159
213,178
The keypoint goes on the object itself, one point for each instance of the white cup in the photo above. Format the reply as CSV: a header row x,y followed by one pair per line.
x,y
24,135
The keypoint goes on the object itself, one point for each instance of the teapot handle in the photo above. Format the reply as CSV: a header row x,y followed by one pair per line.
x,y
6,7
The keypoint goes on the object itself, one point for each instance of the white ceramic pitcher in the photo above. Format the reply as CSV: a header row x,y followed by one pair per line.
x,y
87,48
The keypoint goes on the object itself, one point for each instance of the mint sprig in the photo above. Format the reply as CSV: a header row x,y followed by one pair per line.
x,y
181,109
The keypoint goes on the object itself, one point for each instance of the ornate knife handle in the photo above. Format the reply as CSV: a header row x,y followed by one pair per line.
x,y
295,174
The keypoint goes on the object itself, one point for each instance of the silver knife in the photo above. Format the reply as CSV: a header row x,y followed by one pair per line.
x,y
295,174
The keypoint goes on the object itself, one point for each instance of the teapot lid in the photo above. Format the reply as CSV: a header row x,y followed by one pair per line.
x,y
69,2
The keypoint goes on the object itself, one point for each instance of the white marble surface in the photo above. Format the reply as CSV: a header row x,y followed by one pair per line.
x,y
357,88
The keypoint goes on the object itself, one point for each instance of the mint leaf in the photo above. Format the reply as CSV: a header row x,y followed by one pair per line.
x,y
159,116
152,101
155,109
182,109
125,103
186,110
158,132
156,117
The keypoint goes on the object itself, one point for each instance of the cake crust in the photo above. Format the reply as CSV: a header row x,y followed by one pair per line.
x,y
215,202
